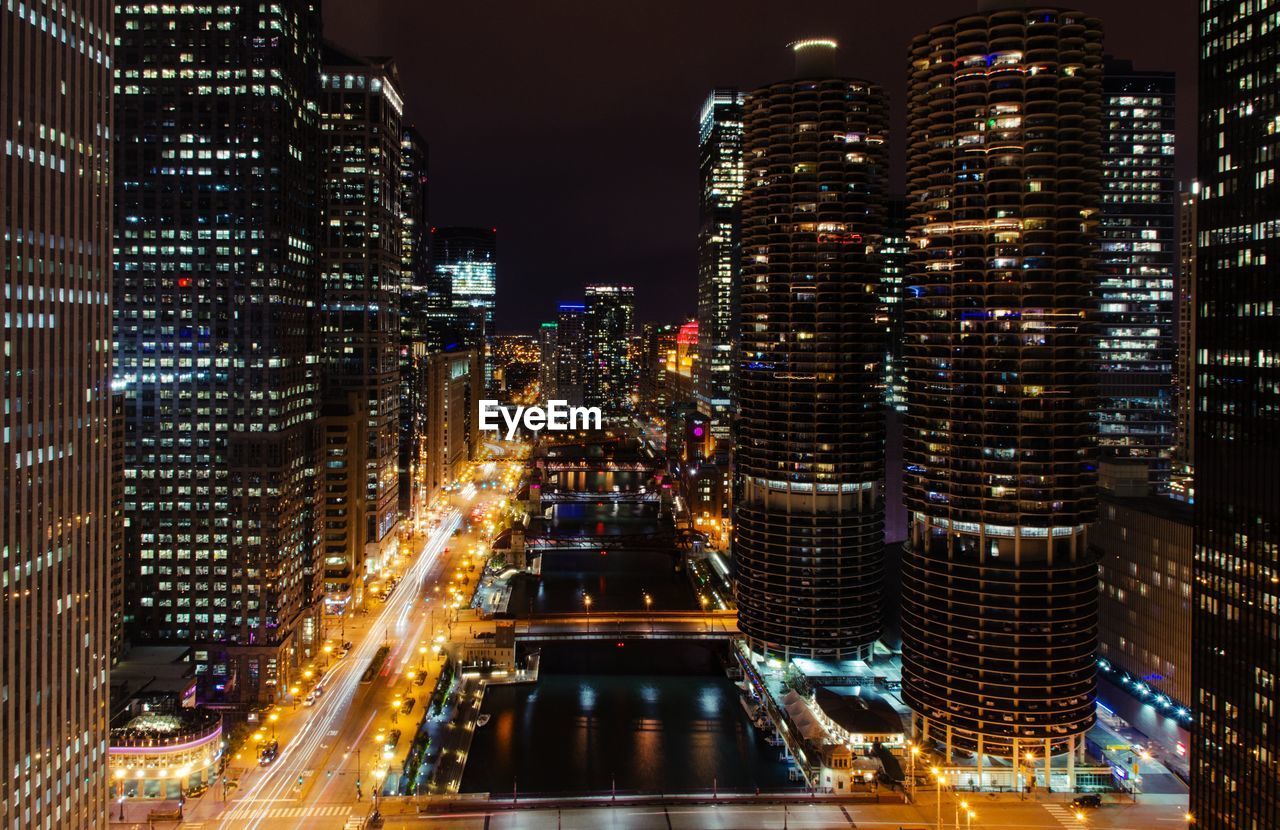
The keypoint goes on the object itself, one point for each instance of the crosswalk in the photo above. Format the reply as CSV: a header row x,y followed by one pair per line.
x,y
1065,815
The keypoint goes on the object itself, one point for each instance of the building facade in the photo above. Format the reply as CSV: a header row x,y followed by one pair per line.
x,y
1004,183
361,275
455,384
1137,261
571,353
609,325
1236,612
895,250
1144,608
216,292
56,497
719,252
1182,482
415,331
809,526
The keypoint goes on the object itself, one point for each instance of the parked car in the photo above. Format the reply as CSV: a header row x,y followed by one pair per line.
x,y
407,706
1090,800
393,738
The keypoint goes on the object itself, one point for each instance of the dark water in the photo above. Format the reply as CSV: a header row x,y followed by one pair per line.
x,y
597,481
653,716
616,581
604,518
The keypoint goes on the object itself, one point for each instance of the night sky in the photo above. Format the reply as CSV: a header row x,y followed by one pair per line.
x,y
571,126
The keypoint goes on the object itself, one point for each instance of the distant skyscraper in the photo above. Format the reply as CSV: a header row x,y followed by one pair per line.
x,y
1182,484
610,324
361,264
1139,250
895,252
547,359
571,353
999,586
809,528
56,499
719,252
467,260
216,293
1235,662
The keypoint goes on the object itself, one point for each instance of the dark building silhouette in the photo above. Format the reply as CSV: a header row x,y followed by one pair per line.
x,y
810,454
1235,662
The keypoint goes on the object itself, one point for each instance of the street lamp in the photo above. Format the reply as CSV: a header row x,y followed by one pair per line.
x,y
120,788
911,769
937,780
648,607
968,820
586,600
1030,758
273,717
378,774
960,806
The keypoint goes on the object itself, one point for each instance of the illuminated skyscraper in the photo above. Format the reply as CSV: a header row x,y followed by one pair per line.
x,y
1139,250
809,529
1000,588
609,325
361,265
719,252
547,358
894,252
56,495
216,333
466,259
1236,612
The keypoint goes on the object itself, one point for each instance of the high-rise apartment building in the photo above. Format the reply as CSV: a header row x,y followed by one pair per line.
x,y
1235,662
361,249
719,252
809,528
216,336
1138,245
55,495
1182,483
999,587
609,325
571,353
547,332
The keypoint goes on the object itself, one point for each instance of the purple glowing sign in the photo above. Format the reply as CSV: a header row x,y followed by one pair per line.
x,y
697,431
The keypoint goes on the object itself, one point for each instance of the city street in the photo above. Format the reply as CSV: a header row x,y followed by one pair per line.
x,y
327,748
682,814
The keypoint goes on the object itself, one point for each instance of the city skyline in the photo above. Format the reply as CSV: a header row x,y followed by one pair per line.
x,y
581,77
931,472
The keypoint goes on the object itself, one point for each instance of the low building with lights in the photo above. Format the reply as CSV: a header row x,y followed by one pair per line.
x,y
161,749
845,731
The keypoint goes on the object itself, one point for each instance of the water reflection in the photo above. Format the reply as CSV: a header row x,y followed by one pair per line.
x,y
652,716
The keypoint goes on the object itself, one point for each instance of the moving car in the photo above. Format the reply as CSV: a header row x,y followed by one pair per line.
x,y
268,753
1090,800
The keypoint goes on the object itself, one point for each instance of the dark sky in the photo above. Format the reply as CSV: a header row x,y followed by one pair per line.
x,y
571,125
